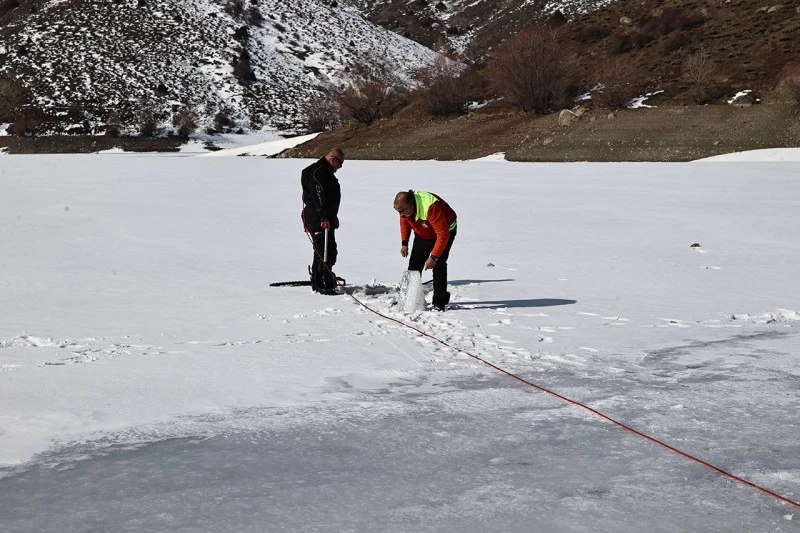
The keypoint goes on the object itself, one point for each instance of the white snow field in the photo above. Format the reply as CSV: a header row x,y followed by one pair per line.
x,y
152,380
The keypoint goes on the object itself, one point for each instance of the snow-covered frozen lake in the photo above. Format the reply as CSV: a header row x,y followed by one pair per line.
x,y
151,380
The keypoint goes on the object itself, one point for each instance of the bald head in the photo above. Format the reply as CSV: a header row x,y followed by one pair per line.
x,y
335,152
404,203
335,157
402,198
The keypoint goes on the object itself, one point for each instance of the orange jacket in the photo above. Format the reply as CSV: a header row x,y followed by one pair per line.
x,y
434,223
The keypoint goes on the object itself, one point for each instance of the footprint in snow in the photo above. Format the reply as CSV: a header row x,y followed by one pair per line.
x,y
673,323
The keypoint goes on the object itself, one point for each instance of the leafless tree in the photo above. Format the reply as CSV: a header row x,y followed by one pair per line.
x,y
446,87
533,71
22,124
113,125
322,112
185,121
27,120
698,68
223,121
372,89
12,97
148,117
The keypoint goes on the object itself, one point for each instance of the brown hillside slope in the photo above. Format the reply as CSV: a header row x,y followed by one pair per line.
x,y
753,46
668,133
751,42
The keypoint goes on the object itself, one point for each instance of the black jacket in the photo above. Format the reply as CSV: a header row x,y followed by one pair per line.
x,y
321,195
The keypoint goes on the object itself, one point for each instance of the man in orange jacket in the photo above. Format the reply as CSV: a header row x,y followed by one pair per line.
x,y
434,224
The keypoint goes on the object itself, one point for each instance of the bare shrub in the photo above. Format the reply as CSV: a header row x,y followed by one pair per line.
x,y
113,126
556,19
21,126
223,121
147,118
364,101
322,113
691,21
185,121
12,97
674,42
621,43
532,71
256,120
591,34
371,90
698,69
75,113
26,120
641,39
446,87
667,21
621,81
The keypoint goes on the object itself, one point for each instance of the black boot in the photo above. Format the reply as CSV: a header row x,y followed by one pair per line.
x,y
324,281
440,302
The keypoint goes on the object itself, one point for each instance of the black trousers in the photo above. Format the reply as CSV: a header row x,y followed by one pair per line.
x,y
321,277
420,251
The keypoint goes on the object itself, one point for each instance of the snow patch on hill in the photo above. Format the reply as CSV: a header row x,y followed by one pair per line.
x,y
87,59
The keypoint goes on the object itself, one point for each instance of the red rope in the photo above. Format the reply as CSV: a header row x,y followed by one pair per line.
x,y
557,395
579,404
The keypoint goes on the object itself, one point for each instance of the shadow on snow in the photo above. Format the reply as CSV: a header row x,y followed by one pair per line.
x,y
473,281
500,304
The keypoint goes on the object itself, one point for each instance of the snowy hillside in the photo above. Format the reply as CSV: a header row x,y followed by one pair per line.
x,y
86,59
467,26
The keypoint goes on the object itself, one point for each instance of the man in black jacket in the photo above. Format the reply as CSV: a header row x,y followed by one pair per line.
x,y
321,198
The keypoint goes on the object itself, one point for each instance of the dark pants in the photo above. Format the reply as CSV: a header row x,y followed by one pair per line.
x,y
420,251
321,277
